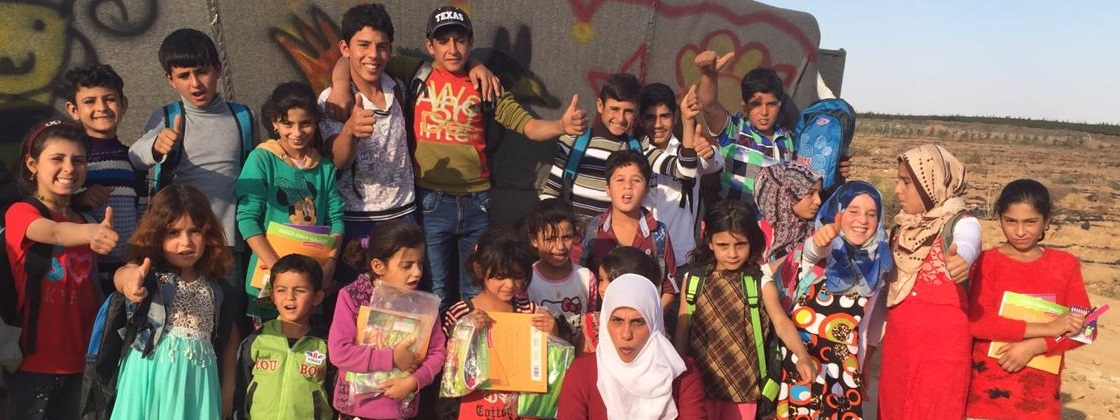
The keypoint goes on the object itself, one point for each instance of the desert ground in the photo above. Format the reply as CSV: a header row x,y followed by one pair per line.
x,y
1083,174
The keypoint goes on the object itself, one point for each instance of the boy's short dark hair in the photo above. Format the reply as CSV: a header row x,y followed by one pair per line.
x,y
623,87
372,15
657,94
188,48
631,260
626,157
302,264
89,76
761,80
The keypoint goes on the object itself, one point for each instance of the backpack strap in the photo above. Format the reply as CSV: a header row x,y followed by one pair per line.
x,y
660,237
770,387
36,264
633,143
244,119
418,84
590,231
571,168
947,231
693,284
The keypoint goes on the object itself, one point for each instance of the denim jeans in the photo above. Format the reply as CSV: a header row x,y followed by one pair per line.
x,y
452,224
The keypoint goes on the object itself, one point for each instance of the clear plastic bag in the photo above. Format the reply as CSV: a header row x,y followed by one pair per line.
x,y
392,316
466,367
544,405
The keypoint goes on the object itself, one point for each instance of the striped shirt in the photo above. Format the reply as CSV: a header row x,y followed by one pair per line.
x,y
589,191
109,166
521,305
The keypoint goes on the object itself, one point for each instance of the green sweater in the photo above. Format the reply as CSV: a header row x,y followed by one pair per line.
x,y
271,189
279,381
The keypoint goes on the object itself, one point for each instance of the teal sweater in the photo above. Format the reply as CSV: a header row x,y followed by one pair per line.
x,y
271,189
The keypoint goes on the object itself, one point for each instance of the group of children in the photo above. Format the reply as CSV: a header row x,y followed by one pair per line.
x,y
776,294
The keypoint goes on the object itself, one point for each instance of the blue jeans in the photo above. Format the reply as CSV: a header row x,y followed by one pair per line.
x,y
452,224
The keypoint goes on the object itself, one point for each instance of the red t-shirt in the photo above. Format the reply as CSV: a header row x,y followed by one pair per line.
x,y
68,302
450,137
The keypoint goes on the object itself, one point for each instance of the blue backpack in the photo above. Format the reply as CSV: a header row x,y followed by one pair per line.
x,y
163,173
823,136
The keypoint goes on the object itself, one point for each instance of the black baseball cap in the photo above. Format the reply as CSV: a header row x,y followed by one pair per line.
x,y
448,16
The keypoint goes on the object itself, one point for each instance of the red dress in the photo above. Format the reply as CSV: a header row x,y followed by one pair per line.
x,y
926,348
1029,393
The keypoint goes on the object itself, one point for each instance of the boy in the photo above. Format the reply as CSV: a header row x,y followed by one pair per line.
x,y
207,135
627,223
586,187
675,201
95,98
751,141
370,149
287,356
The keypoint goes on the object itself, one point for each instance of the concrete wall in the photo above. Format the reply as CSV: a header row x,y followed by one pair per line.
x,y
545,50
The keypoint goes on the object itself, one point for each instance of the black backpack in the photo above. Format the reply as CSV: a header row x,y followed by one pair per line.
x,y
36,264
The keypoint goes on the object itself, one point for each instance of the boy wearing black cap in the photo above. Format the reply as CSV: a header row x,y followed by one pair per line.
x,y
453,177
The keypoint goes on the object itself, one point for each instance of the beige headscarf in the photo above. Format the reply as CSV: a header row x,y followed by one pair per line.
x,y
939,178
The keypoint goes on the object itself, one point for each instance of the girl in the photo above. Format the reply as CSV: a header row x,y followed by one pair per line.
x,y
57,308
621,260
171,370
501,266
788,197
1021,265
713,333
558,284
285,180
394,254
844,263
926,343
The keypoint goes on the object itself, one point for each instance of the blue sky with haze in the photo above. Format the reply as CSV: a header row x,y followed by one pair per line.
x,y
1038,59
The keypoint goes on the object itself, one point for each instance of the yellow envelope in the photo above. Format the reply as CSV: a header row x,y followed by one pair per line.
x,y
292,240
518,354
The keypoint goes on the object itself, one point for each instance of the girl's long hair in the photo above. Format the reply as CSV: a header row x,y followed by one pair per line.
x,y
383,241
36,139
729,216
171,203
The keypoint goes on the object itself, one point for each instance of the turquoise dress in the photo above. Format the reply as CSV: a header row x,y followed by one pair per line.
x,y
179,379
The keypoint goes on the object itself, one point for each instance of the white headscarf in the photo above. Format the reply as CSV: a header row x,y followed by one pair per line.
x,y
643,388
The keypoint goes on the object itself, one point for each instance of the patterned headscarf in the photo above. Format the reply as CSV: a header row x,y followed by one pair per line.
x,y
939,179
852,267
778,188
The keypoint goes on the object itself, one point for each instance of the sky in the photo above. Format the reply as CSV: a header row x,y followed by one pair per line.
x,y
1052,60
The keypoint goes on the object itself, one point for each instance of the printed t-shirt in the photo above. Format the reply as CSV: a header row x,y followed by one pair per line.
x,y
566,297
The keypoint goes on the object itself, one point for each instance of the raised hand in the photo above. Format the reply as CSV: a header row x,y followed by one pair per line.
x,y
129,280
168,137
702,143
956,265
823,237
102,237
690,106
708,62
574,119
361,120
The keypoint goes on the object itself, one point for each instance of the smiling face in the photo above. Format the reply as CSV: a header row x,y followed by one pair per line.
x,y
1023,226
860,220
296,130
100,109
555,244
907,192
658,121
809,204
762,110
198,85
368,51
629,332
626,189
60,169
294,296
403,269
617,115
183,243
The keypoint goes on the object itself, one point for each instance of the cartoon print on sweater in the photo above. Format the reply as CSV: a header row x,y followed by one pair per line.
x,y
299,199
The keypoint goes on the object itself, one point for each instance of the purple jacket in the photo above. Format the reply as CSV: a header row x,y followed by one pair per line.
x,y
349,357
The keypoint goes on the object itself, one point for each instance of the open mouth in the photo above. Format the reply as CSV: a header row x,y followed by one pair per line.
x,y
8,65
289,307
64,181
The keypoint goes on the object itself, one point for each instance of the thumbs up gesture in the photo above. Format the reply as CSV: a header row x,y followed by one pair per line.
x,y
708,62
574,119
361,120
956,265
102,237
168,137
690,106
824,236
129,280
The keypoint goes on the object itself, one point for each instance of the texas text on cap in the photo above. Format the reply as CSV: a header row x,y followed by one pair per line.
x,y
449,16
